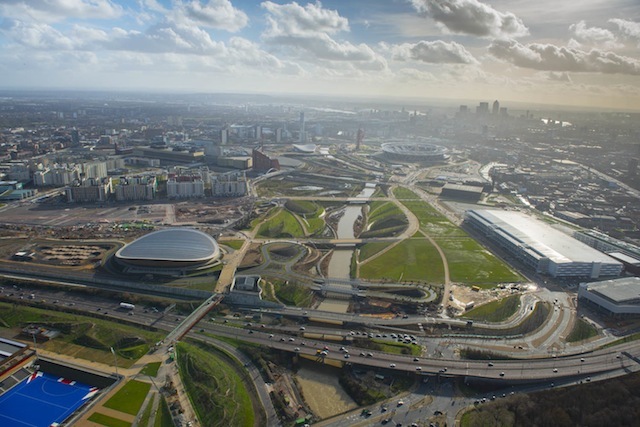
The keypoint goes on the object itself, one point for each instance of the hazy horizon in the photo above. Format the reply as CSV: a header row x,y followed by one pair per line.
x,y
571,54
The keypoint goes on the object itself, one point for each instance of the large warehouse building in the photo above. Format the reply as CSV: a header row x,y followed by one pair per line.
x,y
616,297
173,251
542,247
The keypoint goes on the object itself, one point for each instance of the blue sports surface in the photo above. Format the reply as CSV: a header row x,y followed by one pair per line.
x,y
42,400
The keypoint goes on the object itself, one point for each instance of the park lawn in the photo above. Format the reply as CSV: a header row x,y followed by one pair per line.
x,y
382,209
293,294
369,249
398,347
495,311
84,337
314,225
582,330
404,194
471,264
151,369
108,421
129,398
303,207
233,244
414,259
219,395
281,225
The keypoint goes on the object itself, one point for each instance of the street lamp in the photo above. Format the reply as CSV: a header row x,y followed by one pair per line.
x,y
115,360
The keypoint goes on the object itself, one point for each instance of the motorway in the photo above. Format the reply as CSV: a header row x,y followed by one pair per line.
x,y
501,371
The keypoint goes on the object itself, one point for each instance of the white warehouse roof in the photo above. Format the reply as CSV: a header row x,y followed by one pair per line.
x,y
543,239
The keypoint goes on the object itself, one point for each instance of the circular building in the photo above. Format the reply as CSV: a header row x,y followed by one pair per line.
x,y
173,251
415,152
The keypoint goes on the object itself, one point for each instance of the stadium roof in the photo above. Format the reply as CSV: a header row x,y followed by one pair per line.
x,y
172,244
617,290
542,238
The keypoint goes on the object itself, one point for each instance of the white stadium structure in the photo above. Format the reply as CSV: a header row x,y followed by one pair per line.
x,y
173,251
543,248
415,152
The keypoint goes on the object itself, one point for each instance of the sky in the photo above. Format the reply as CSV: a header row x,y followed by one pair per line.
x,y
557,52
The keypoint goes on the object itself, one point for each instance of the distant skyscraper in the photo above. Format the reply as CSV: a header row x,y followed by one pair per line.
x,y
224,136
303,133
483,108
496,107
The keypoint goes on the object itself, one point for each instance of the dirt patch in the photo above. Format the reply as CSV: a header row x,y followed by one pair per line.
x,y
322,391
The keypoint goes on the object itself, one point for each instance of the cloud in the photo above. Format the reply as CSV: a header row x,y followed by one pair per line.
x,y
36,36
554,58
594,35
558,77
629,29
435,52
55,10
472,17
306,33
294,20
219,14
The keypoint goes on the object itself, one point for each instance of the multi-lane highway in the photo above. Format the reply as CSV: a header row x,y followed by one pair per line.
x,y
509,371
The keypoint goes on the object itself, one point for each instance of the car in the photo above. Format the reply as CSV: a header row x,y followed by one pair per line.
x,y
490,364
303,343
369,354
282,339
555,369
582,359
292,339
415,359
362,354
270,335
502,374
384,421
588,379
346,355
400,402
302,328
297,349
392,365
418,368
98,309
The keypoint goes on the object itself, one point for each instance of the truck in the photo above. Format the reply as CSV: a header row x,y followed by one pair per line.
x,y
127,306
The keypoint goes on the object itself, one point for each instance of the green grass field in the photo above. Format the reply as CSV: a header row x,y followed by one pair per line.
x,y
151,369
404,193
108,421
470,263
82,336
281,225
218,393
233,244
582,330
414,259
129,398
370,249
293,294
495,311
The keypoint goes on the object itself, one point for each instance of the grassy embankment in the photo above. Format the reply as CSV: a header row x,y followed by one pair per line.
x,y
219,395
82,336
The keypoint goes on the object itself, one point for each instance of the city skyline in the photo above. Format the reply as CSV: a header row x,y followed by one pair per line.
x,y
571,54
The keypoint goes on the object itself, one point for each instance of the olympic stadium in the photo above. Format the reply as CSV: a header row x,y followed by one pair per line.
x,y
172,252
415,152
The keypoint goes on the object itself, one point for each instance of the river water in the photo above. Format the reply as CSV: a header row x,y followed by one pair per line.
x,y
322,391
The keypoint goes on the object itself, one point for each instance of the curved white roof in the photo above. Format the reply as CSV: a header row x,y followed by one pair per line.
x,y
172,244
